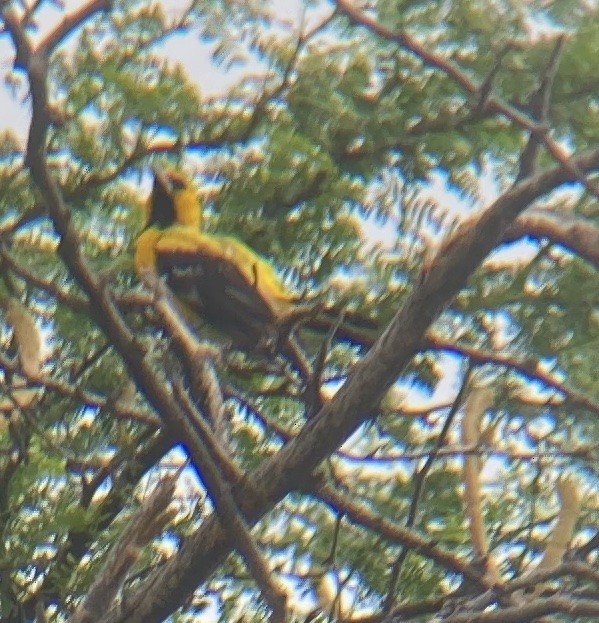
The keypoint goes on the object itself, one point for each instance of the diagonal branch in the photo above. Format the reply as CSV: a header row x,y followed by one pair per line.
x,y
228,513
208,451
531,610
493,103
539,109
527,367
70,23
362,515
77,543
579,235
355,401
146,523
419,480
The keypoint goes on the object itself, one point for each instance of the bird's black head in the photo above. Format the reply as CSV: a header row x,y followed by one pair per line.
x,y
161,206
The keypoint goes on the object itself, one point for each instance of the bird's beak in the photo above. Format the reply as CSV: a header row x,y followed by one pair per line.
x,y
161,181
160,206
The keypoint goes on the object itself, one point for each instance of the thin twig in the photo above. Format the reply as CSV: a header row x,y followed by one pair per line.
x,y
528,367
419,480
539,110
451,69
361,514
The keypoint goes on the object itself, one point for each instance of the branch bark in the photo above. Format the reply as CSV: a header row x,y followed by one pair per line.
x,y
577,234
354,403
147,522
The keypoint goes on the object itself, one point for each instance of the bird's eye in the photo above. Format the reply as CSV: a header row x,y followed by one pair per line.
x,y
177,184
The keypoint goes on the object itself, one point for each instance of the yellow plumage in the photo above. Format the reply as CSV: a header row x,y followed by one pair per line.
x,y
216,277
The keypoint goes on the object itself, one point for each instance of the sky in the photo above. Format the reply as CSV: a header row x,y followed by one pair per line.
x,y
189,50
195,56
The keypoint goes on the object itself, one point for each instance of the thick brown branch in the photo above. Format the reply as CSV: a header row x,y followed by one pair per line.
x,y
146,523
207,451
124,473
531,610
109,320
70,23
16,31
355,401
575,233
238,531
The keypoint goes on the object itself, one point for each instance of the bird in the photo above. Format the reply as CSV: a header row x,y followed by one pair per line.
x,y
223,281
214,277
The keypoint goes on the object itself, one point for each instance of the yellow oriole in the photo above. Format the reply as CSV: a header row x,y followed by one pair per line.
x,y
215,277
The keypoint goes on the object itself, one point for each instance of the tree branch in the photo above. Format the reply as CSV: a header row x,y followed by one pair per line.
x,y
355,401
575,233
70,23
360,514
493,103
146,523
228,513
530,611
527,367
539,110
418,480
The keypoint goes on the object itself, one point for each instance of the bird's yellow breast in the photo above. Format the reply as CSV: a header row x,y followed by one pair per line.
x,y
145,250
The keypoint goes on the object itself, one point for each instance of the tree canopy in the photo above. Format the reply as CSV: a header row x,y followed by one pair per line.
x,y
422,444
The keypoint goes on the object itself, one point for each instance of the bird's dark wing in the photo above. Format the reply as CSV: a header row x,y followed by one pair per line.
x,y
215,288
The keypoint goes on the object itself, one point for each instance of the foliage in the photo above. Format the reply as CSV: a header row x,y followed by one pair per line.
x,y
331,137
